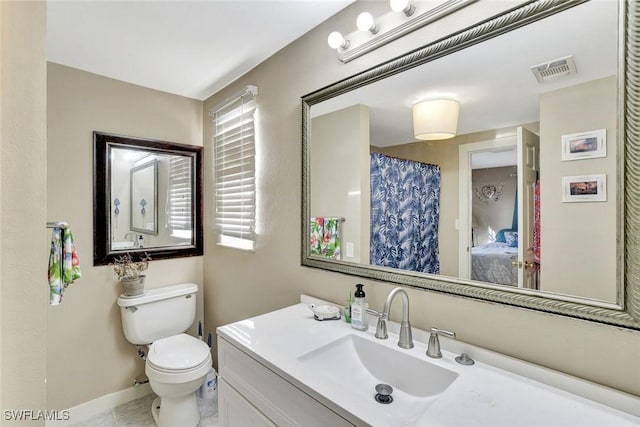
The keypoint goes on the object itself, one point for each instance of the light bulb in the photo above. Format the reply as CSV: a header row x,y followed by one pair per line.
x,y
398,5
336,41
403,6
365,22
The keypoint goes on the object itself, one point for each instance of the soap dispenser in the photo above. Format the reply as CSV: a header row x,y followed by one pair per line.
x,y
359,310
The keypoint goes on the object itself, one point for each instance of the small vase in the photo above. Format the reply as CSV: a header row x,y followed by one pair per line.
x,y
133,287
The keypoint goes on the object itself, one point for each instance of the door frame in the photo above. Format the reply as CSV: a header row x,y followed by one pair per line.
x,y
466,195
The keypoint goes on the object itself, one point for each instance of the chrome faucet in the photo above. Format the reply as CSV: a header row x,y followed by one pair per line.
x,y
433,349
128,235
406,339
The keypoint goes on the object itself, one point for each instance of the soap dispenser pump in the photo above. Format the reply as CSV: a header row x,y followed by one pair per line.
x,y
359,310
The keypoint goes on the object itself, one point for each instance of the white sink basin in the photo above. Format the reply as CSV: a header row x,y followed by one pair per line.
x,y
360,364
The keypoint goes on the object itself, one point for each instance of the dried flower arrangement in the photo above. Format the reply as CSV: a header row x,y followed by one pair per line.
x,y
126,269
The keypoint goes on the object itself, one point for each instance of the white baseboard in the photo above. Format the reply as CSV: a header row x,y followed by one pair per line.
x,y
86,410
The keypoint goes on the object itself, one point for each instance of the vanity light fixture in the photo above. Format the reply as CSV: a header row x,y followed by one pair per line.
x,y
375,32
435,119
337,41
404,6
365,22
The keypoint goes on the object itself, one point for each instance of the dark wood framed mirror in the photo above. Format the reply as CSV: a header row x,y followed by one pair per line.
x,y
174,215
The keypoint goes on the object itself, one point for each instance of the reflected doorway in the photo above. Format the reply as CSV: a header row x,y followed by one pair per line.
x,y
498,179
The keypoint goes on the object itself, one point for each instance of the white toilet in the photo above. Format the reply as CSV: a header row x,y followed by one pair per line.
x,y
177,363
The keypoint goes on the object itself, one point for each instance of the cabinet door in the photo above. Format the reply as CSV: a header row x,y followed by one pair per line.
x,y
235,410
278,399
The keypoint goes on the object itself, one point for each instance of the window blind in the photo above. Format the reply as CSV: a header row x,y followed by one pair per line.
x,y
179,197
234,163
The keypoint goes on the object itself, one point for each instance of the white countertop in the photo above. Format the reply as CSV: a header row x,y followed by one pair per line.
x,y
482,394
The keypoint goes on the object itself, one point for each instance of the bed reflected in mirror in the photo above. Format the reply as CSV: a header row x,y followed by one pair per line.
x,y
494,216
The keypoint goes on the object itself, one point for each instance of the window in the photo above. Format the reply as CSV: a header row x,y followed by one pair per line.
x,y
179,197
234,170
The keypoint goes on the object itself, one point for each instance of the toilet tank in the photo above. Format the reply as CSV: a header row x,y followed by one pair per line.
x,y
159,313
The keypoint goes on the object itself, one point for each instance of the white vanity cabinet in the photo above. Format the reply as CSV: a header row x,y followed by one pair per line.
x,y
251,394
285,368
235,410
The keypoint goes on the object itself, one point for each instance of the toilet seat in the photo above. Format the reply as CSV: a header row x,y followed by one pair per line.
x,y
205,362
180,352
178,358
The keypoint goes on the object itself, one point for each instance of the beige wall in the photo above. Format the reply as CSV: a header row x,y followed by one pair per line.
x,y
23,241
241,284
339,169
588,266
88,355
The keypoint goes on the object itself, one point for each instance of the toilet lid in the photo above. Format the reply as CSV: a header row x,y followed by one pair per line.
x,y
178,352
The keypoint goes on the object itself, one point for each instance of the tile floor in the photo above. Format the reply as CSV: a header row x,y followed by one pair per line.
x,y
138,414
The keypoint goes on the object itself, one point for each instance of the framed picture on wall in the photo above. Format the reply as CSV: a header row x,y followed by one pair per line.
x,y
584,145
584,188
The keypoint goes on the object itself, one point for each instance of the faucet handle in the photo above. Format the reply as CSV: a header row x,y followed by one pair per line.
x,y
433,349
381,327
373,313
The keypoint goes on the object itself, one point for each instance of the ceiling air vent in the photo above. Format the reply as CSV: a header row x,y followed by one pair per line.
x,y
554,69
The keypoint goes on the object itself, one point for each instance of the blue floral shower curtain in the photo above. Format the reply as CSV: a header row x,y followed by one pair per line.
x,y
405,211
